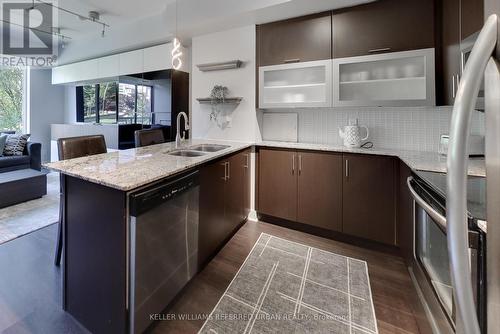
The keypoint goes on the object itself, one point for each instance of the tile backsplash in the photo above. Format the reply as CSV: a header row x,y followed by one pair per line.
x,y
408,128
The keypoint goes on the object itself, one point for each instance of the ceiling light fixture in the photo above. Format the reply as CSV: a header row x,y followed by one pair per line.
x,y
176,50
93,16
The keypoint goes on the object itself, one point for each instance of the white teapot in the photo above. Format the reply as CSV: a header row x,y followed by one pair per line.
x,y
351,134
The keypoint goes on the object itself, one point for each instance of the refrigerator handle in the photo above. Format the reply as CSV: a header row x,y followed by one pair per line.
x,y
457,163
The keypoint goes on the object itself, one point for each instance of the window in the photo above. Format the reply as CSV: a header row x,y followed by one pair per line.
x,y
107,102
12,111
127,102
121,103
144,105
89,103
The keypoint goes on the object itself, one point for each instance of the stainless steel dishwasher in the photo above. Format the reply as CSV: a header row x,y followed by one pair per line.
x,y
163,246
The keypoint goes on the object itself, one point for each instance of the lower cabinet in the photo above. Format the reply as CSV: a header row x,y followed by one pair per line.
x,y
224,202
319,195
278,183
369,198
301,186
350,193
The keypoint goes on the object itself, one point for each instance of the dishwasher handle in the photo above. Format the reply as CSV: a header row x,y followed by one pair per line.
x,y
154,196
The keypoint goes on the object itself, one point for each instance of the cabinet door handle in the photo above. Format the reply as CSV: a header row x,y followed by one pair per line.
x,y
228,170
293,164
346,168
225,171
300,164
294,60
247,160
379,50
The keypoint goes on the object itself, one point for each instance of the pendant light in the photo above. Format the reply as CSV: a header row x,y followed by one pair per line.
x,y
176,50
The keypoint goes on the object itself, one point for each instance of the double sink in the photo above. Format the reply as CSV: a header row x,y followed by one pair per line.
x,y
198,150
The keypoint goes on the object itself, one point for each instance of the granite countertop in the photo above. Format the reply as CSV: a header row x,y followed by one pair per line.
x,y
130,169
416,160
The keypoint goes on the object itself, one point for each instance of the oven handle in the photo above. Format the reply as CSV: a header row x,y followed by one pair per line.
x,y
436,216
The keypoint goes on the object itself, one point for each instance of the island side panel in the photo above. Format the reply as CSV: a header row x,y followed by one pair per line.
x,y
95,255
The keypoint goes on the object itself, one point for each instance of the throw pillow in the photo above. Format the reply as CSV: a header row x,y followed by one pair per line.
x,y
15,145
3,140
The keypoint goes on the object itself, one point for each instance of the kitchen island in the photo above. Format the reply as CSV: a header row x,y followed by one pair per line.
x,y
117,262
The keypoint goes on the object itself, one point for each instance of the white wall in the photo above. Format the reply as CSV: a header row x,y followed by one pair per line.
x,y
69,104
46,106
218,47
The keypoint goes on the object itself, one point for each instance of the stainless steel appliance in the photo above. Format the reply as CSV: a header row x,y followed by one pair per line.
x,y
465,52
163,246
430,268
484,58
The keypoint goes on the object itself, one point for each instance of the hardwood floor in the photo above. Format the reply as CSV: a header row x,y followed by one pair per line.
x,y
30,285
394,297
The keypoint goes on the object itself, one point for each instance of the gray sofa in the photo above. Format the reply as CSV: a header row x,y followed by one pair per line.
x,y
31,158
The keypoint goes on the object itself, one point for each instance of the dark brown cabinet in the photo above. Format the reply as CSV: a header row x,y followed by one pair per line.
x,y
223,187
471,17
301,186
450,27
295,40
278,183
383,26
369,209
320,190
459,20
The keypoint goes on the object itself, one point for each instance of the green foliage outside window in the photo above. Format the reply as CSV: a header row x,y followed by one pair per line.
x,y
11,99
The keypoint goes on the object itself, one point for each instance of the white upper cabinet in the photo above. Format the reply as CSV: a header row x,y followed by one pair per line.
x,y
155,58
296,85
109,66
131,62
389,79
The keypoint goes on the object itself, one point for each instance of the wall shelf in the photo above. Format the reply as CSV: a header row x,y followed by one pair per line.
x,y
227,65
227,100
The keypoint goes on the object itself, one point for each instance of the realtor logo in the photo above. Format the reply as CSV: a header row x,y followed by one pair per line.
x,y
27,33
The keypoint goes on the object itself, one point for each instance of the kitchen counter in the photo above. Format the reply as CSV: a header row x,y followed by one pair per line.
x,y
416,160
130,169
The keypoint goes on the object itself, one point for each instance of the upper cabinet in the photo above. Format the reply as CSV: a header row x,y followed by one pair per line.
x,y
383,26
461,19
471,17
391,79
383,55
306,84
296,40
450,48
131,62
155,58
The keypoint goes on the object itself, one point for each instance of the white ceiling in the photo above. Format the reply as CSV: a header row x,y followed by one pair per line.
x,y
139,23
113,12
194,16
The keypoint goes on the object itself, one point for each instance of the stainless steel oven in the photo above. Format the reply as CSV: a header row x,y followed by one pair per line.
x,y
430,269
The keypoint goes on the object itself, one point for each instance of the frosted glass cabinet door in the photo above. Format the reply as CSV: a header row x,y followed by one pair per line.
x,y
390,79
307,84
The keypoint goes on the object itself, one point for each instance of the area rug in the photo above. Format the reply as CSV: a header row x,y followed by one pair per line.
x,y
27,217
286,287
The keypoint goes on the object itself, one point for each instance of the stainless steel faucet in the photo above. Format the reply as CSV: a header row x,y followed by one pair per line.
x,y
178,138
